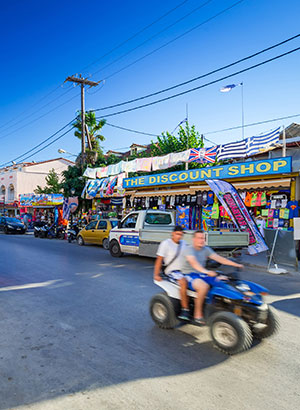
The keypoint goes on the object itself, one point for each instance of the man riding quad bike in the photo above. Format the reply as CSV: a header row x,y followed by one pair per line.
x,y
234,310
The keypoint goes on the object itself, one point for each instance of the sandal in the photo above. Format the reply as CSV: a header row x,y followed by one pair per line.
x,y
199,321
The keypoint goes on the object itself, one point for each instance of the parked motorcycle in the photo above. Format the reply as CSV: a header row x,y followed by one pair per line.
x,y
73,232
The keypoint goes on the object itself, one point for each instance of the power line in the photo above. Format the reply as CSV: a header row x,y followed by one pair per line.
x,y
202,86
201,76
130,130
176,38
253,124
106,54
41,143
148,39
136,34
38,118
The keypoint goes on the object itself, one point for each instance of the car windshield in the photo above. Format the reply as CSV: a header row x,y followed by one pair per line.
x,y
114,223
12,220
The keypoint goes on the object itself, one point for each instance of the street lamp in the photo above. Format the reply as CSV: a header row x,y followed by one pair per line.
x,y
63,151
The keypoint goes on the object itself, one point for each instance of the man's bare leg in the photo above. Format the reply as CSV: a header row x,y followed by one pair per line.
x,y
183,293
201,288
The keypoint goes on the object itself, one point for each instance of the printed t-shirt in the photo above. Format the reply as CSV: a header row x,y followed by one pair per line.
x,y
210,197
167,249
200,255
276,213
258,199
248,199
254,199
215,211
263,199
294,209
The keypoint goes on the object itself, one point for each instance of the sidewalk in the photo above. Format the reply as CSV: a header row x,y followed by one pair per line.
x,y
260,261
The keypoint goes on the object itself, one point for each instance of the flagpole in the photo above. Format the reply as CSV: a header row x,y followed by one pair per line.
x,y
187,139
242,94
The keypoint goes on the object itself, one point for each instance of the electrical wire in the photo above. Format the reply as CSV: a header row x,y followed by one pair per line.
x,y
38,118
130,130
253,124
177,38
106,54
149,39
136,34
41,143
201,86
201,76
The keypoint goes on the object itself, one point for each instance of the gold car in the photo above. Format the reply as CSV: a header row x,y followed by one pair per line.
x,y
97,232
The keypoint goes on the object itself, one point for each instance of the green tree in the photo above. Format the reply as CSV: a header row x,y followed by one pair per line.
x,y
53,185
94,128
167,143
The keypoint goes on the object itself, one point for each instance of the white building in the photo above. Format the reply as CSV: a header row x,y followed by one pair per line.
x,y
23,178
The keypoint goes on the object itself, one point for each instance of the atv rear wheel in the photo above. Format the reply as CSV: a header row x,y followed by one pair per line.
x,y
162,311
271,326
230,333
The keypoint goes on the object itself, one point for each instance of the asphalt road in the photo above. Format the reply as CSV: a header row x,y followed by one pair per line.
x,y
76,334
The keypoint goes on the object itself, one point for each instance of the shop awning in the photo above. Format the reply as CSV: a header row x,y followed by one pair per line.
x,y
271,183
164,192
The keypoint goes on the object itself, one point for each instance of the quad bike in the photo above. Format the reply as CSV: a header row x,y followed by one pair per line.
x,y
234,310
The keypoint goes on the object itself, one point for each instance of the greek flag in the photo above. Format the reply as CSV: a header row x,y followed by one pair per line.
x,y
232,150
229,87
263,142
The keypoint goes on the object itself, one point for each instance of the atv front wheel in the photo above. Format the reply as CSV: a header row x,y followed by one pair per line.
x,y
162,311
230,333
271,327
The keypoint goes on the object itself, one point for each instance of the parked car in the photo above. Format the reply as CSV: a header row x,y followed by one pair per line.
x,y
97,232
11,225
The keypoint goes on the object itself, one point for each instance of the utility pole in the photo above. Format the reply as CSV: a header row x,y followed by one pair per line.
x,y
82,81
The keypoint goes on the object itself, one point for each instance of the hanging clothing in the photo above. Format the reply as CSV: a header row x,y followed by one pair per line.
x,y
248,199
253,199
210,197
177,158
161,162
294,209
215,211
90,173
143,164
263,199
130,166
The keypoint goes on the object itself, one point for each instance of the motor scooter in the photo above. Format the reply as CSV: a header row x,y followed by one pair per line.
x,y
73,232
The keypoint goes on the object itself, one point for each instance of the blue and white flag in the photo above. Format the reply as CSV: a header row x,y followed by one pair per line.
x,y
232,150
66,209
263,142
229,87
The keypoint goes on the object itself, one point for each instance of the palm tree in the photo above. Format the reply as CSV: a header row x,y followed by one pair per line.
x,y
94,127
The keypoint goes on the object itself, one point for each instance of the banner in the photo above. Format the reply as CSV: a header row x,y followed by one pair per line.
x,y
41,199
238,212
66,209
73,203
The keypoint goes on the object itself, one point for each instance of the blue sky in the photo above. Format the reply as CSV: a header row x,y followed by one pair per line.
x,y
44,42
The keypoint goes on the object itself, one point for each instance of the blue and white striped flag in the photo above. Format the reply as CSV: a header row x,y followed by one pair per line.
x,y
232,150
66,209
263,142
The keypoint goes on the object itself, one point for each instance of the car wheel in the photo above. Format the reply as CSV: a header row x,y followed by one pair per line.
x,y
230,333
80,240
114,249
162,311
105,243
271,326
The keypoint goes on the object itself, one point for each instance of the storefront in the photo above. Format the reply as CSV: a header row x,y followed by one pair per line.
x,y
268,188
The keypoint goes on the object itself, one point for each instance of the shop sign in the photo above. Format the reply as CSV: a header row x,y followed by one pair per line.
x,y
237,170
41,200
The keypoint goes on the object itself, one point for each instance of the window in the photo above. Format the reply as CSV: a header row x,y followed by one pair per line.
x,y
11,193
102,225
91,225
130,221
114,223
158,219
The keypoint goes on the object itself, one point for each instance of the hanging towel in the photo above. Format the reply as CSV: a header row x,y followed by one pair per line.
x,y
143,164
102,172
177,158
161,162
90,173
130,166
